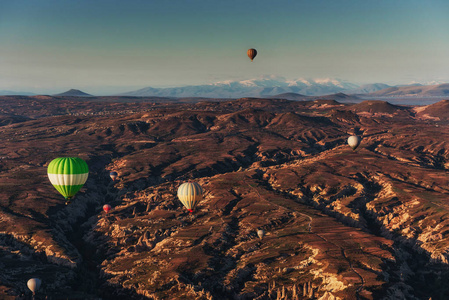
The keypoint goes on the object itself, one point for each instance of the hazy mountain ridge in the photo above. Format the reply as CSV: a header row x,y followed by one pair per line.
x,y
414,91
272,86
275,86
14,93
261,87
368,88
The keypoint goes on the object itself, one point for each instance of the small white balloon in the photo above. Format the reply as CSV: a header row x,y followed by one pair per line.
x,y
260,233
34,284
354,141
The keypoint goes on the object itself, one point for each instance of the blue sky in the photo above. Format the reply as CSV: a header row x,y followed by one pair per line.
x,y
112,46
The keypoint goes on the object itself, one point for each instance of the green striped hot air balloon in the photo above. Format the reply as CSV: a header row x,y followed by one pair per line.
x,y
190,193
68,175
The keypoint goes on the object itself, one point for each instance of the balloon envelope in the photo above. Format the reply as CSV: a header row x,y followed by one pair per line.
x,y
354,141
107,208
260,233
251,53
34,284
113,175
190,193
68,175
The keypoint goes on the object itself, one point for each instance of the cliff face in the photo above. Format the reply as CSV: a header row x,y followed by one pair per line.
x,y
339,224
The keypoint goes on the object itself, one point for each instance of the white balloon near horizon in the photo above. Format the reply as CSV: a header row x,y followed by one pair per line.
x,y
34,284
354,141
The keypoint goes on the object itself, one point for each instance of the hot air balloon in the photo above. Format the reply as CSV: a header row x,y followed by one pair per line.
x,y
34,284
113,175
251,53
68,175
107,208
354,141
190,193
260,233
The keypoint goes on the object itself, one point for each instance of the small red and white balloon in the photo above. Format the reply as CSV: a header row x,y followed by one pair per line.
x,y
107,208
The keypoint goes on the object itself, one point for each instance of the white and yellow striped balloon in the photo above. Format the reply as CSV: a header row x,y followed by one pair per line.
x,y
190,193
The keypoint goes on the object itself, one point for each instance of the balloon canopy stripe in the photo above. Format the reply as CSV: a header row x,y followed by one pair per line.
x,y
66,179
68,165
68,191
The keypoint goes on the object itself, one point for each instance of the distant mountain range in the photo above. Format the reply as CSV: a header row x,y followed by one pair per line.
x,y
14,93
341,97
261,87
438,90
368,88
290,89
277,87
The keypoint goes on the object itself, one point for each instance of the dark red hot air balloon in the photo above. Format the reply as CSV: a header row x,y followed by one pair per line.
x,y
251,53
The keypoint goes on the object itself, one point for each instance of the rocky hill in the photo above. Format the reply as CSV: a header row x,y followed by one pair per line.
x,y
340,224
74,93
436,111
290,96
379,108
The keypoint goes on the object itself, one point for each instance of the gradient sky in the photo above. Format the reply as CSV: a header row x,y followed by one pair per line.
x,y
108,46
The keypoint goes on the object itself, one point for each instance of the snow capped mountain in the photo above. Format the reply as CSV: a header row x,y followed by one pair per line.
x,y
264,81
432,82
258,87
333,82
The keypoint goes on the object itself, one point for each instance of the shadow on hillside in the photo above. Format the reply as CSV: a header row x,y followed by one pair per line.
x,y
78,219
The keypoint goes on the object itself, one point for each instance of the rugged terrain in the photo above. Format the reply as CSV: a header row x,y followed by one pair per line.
x,y
340,224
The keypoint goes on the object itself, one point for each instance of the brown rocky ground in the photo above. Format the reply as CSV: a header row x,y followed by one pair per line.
x,y
339,224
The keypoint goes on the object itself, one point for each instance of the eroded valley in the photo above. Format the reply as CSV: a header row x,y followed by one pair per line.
x,y
340,224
